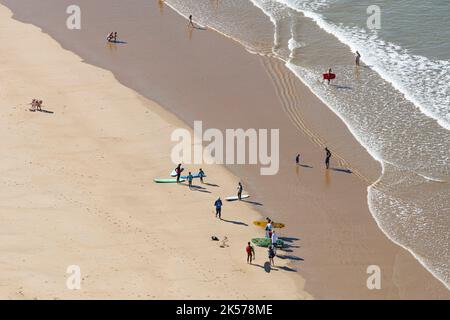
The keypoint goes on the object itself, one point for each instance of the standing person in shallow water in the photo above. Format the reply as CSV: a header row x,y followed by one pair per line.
x,y
357,58
191,23
329,75
297,159
327,157
239,188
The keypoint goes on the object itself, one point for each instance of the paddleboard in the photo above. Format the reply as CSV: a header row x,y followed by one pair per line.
x,y
265,242
167,180
264,223
330,76
234,198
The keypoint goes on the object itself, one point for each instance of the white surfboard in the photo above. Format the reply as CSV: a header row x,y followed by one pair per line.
x,y
174,173
234,198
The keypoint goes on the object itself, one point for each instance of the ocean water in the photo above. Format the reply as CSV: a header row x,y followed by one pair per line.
x,y
397,104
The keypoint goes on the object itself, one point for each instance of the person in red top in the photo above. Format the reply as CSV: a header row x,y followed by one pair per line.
x,y
250,253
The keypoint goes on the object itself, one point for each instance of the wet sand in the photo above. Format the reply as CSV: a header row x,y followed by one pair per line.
x,y
201,75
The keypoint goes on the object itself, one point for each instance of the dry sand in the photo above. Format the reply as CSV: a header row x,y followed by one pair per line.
x,y
76,189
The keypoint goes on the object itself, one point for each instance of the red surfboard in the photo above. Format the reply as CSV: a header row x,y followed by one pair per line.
x,y
330,76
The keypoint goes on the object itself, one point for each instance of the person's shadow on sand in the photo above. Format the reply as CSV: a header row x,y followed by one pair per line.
x,y
235,222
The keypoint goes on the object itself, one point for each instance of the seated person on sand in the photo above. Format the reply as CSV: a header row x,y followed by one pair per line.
x,y
33,105
39,105
110,37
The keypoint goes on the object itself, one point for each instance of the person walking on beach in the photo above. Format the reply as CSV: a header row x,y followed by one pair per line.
x,y
178,171
240,188
191,23
327,157
271,253
250,253
268,228
218,205
357,58
115,36
274,239
190,177
297,159
201,174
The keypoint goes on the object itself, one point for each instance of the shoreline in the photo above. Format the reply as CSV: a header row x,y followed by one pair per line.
x,y
247,174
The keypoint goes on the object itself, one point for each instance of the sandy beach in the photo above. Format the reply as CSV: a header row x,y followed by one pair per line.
x,y
77,183
77,190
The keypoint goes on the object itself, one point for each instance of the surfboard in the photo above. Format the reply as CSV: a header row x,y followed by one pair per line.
x,y
195,176
174,173
234,198
264,223
265,242
330,76
167,180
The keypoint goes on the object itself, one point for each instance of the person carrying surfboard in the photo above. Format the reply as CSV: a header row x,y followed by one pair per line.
x,y
240,188
178,171
330,73
218,205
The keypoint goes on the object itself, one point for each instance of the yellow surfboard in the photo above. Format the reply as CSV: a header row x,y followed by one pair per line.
x,y
264,223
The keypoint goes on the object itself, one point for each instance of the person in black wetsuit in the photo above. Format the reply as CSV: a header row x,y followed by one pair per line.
x,y
327,157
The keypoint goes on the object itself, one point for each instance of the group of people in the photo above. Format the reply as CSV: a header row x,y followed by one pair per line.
x,y
330,74
112,37
36,105
179,169
327,158
270,234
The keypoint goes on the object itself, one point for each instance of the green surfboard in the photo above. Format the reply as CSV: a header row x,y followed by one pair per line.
x,y
265,242
167,180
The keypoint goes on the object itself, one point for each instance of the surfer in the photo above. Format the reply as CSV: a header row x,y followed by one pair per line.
x,y
191,23
239,188
218,205
327,157
250,253
329,75
115,36
178,171
201,174
357,58
190,177
297,159
271,255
